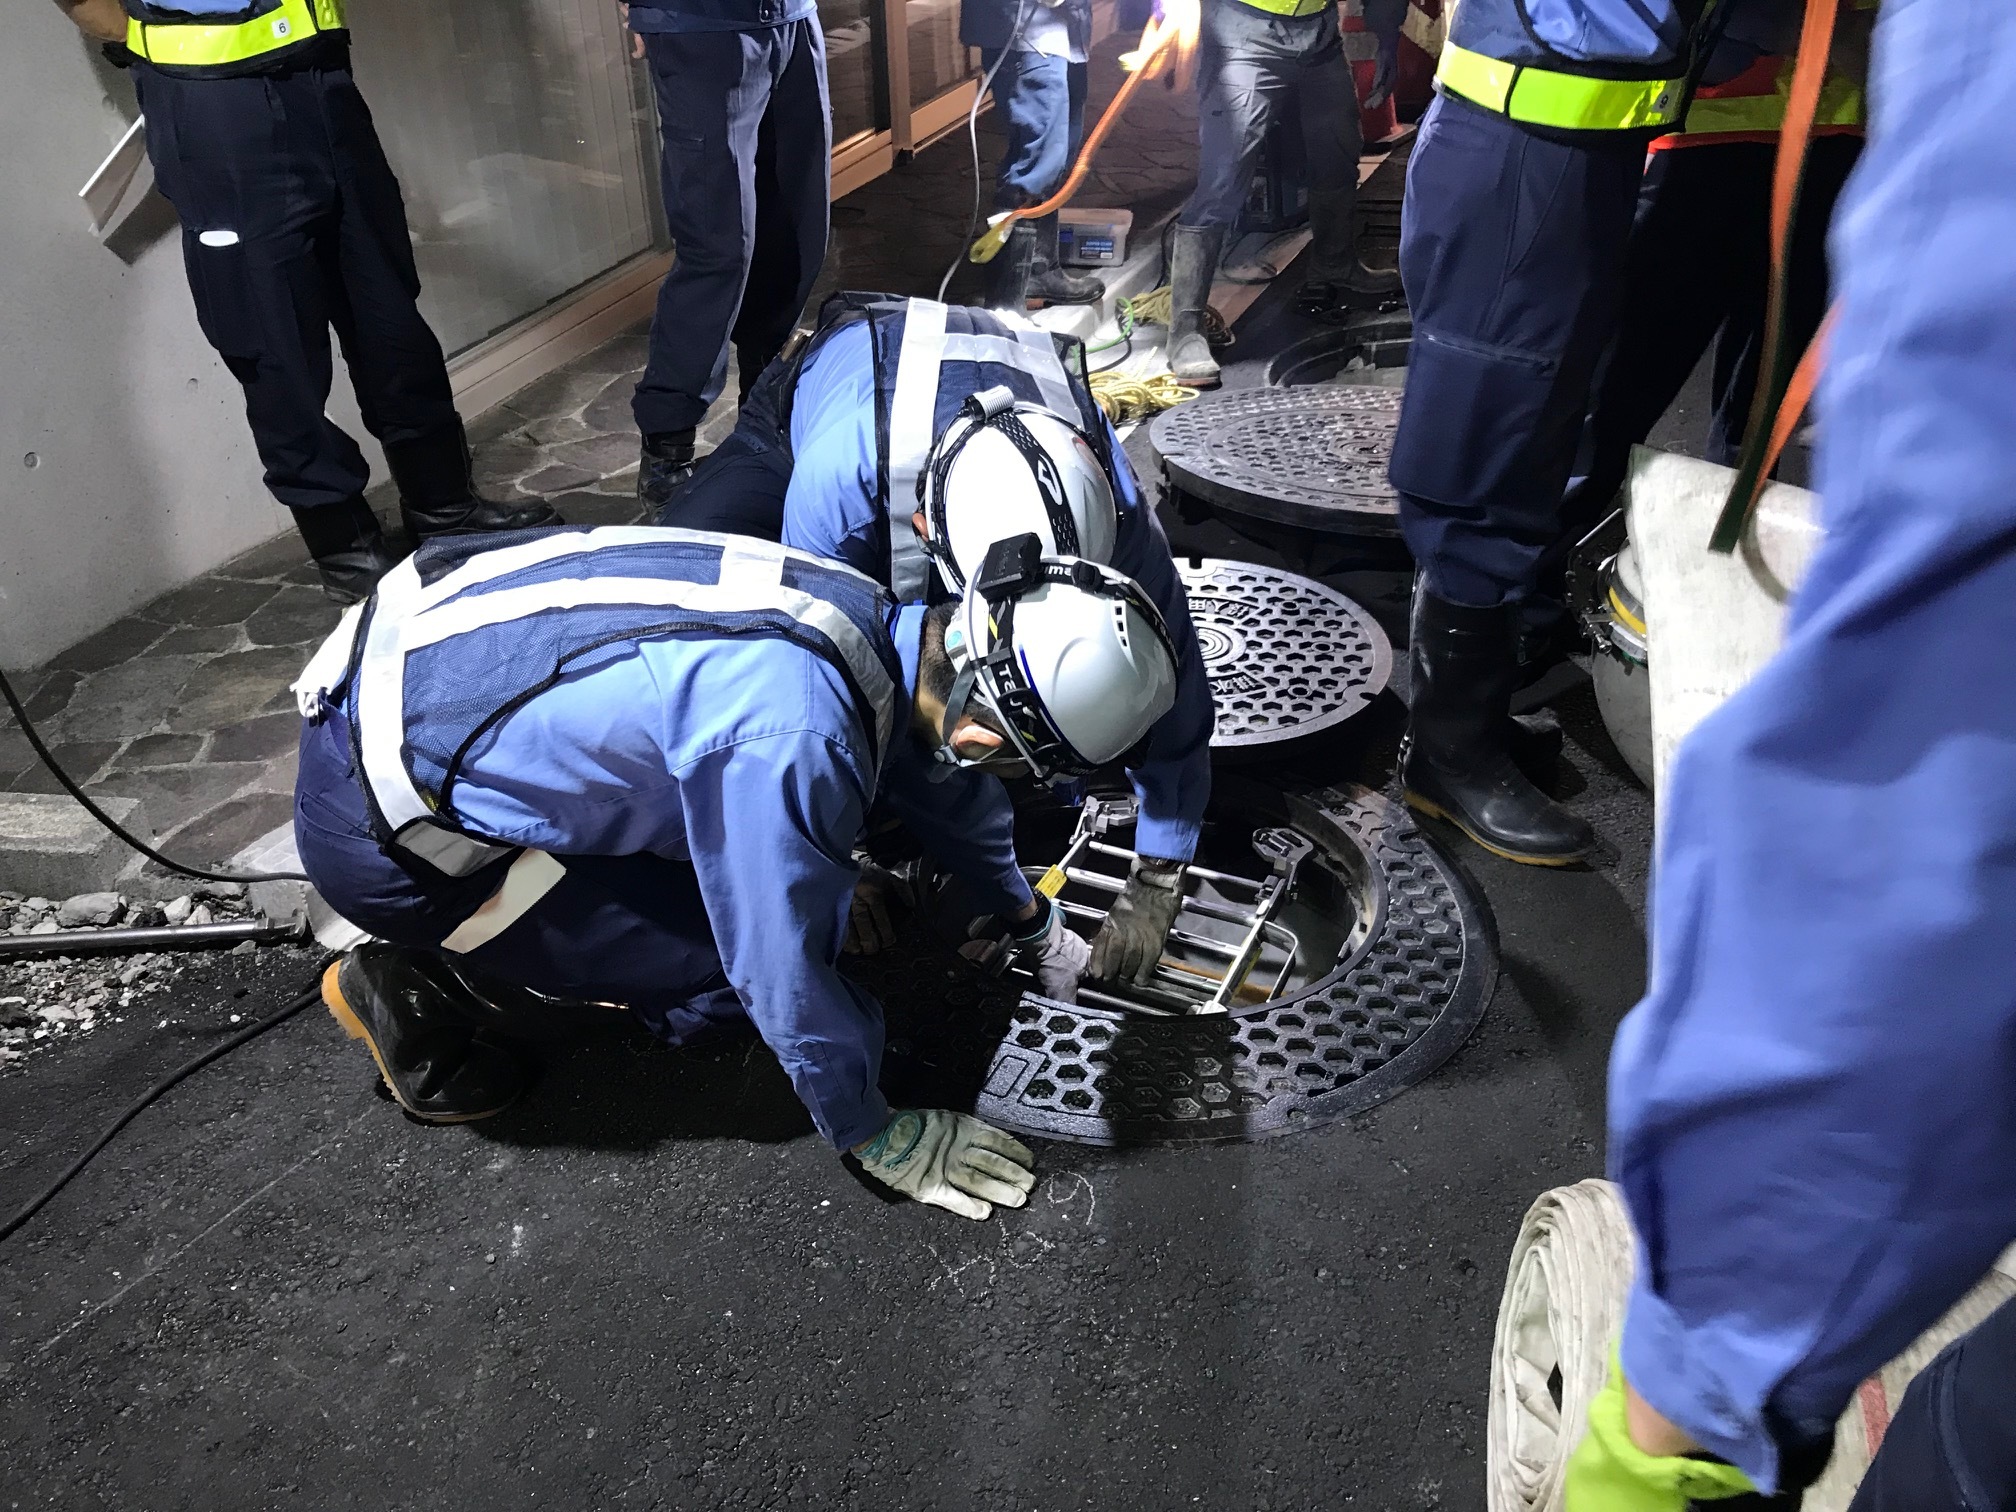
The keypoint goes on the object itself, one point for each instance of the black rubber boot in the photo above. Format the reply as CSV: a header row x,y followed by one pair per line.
x,y
437,491
1010,273
1457,762
1052,282
1193,264
663,467
428,1033
1337,280
348,545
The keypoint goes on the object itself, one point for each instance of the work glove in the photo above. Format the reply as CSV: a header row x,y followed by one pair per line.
x,y
1609,1473
950,1160
871,925
1384,18
1130,942
1053,953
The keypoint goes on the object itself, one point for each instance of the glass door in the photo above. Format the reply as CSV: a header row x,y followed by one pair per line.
x,y
526,144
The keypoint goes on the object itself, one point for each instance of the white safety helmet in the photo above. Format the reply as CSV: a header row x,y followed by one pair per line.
x,y
1001,469
1071,659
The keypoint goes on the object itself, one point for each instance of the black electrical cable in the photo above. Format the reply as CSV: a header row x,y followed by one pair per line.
x,y
70,787
215,1052
973,139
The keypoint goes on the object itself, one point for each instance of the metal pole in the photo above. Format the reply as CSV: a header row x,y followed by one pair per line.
x,y
173,937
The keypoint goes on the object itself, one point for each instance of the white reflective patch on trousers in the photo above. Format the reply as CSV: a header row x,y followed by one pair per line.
x,y
218,238
533,875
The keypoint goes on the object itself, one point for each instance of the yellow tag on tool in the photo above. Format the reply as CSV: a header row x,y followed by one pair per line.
x,y
1052,883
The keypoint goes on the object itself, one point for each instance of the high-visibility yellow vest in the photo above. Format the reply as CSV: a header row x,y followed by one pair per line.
x,y
201,47
1751,107
1289,7
1564,101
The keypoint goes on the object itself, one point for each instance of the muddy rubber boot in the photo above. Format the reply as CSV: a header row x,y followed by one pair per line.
x,y
1193,263
663,467
424,1031
1457,763
1010,273
438,495
1337,280
349,547
1052,282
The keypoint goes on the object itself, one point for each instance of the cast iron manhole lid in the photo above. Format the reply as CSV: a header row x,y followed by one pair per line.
x,y
1312,457
1287,657
1402,998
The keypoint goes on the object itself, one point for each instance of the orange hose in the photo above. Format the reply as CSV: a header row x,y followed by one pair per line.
x,y
984,249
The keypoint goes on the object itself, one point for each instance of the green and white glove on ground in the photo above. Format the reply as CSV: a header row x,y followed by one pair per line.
x,y
950,1160
1609,1473
1054,953
1130,942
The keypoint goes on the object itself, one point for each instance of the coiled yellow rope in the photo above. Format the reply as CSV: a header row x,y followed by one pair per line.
x,y
1126,397
1154,309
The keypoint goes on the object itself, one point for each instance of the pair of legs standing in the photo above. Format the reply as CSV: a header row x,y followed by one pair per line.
x,y
745,167
293,226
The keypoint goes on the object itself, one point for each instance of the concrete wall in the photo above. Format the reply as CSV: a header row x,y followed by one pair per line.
x,y
142,471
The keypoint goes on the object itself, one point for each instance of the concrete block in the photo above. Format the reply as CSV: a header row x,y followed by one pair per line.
x,y
279,901
51,846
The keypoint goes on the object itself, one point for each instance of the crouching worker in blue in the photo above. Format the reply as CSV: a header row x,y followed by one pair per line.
x,y
629,766
905,439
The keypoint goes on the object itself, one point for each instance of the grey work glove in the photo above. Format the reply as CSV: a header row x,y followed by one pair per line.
x,y
1130,942
871,927
1384,18
1054,954
950,1160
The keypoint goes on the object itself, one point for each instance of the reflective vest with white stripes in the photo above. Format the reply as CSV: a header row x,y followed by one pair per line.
x,y
929,359
471,629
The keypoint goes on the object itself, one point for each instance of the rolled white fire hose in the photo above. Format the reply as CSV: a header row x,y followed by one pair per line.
x,y
1563,1302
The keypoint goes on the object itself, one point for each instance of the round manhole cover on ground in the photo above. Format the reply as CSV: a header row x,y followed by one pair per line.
x,y
1311,457
1400,997
1287,657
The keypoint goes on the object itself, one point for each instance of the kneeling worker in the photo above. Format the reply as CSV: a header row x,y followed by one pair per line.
x,y
909,435
628,766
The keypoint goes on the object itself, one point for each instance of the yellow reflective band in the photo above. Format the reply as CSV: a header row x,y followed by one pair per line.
x,y
200,46
1840,105
1567,102
1287,7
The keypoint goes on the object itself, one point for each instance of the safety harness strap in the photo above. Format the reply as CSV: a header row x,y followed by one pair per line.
x,y
409,615
1563,101
196,44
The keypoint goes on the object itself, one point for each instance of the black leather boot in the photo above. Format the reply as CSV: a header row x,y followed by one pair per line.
x,y
663,466
1457,762
1337,280
348,545
437,491
428,1033
1009,274
1052,282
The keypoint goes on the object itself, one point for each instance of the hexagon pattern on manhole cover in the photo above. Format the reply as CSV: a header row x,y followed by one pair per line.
x,y
1391,1011
1287,656
1313,457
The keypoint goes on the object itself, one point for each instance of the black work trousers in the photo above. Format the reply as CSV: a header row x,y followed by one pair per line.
x,y
293,225
1697,274
1952,1445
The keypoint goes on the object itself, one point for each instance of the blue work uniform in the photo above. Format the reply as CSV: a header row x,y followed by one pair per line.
x,y
1813,1111
630,765
826,458
745,166
1513,251
1037,55
293,224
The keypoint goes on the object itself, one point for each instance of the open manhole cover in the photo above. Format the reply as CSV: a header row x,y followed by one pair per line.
x,y
1313,457
1287,657
1376,967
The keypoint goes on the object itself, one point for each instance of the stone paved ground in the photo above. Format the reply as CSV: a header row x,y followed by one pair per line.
x,y
183,704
